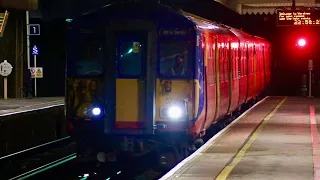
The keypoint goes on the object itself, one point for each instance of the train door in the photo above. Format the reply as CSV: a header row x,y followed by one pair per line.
x,y
247,71
255,71
131,81
263,68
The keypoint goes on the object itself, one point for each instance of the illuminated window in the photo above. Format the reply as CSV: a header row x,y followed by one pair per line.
x,y
130,61
174,59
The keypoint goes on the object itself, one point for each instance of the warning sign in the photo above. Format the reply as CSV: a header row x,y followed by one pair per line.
x,y
39,72
136,47
36,72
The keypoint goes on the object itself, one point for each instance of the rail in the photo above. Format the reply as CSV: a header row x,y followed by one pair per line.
x,y
45,167
29,162
35,150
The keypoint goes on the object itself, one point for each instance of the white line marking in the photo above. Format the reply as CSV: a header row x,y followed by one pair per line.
x,y
29,110
315,143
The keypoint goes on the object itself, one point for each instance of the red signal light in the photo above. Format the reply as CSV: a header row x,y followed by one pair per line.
x,y
302,42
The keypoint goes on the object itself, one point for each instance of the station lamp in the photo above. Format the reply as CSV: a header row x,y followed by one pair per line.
x,y
302,42
69,20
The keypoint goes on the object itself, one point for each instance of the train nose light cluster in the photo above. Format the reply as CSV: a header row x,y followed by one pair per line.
x,y
96,111
174,112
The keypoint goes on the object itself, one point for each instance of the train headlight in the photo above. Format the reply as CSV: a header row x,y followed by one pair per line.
x,y
175,112
96,111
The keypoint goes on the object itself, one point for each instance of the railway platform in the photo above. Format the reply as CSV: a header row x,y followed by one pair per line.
x,y
25,123
16,105
275,139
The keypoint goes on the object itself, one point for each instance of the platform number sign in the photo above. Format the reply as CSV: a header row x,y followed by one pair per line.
x,y
34,29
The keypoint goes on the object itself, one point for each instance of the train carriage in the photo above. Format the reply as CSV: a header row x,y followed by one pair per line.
x,y
143,75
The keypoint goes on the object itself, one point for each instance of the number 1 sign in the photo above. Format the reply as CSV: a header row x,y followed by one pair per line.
x,y
34,29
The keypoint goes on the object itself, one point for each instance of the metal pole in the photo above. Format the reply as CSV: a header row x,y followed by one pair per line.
x,y
5,86
293,4
28,39
29,79
309,83
35,77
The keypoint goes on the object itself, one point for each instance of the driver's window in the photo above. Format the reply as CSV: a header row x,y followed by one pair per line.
x,y
130,58
87,51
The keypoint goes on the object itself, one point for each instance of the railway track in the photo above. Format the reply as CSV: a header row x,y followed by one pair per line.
x,y
24,163
57,160
76,169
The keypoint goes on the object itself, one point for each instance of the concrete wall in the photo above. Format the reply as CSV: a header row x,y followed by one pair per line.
x,y
26,130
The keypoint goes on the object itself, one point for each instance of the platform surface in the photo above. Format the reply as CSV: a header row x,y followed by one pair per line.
x,y
17,105
276,139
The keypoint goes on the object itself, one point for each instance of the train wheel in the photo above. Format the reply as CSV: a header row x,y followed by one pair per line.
x,y
254,101
244,107
221,124
198,142
186,152
167,160
102,157
229,119
111,156
233,117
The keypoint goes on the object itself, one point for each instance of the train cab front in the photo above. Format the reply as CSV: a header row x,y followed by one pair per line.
x,y
84,112
132,81
84,100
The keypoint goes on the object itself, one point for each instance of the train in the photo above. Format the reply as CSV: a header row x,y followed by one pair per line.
x,y
144,77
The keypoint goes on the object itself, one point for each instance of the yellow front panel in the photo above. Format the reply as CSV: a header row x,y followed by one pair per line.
x,y
180,89
127,100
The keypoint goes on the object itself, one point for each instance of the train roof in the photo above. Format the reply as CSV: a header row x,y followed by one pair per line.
x,y
243,36
262,40
206,24
170,15
203,23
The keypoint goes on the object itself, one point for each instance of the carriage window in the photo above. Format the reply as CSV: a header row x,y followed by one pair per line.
x,y
86,53
244,62
221,59
211,64
239,73
226,64
130,60
175,59
233,61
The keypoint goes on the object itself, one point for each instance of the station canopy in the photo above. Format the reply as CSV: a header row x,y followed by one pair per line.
x,y
266,6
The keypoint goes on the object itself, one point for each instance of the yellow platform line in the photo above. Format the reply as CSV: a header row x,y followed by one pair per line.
x,y
227,169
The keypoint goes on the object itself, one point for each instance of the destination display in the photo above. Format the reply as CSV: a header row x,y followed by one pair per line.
x,y
298,18
174,32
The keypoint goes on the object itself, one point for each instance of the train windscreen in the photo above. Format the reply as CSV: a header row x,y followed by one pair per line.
x,y
85,54
175,59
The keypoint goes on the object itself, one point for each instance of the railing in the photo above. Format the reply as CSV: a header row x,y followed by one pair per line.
x,y
3,21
